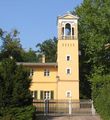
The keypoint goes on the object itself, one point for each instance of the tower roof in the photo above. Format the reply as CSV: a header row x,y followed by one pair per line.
x,y
68,15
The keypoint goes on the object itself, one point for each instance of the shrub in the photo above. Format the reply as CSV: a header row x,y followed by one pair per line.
x,y
18,113
15,96
101,95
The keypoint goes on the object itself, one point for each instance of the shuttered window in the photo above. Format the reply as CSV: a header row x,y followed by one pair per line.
x,y
52,95
46,95
34,94
41,95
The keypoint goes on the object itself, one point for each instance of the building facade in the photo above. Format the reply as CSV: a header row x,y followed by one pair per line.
x,y
59,80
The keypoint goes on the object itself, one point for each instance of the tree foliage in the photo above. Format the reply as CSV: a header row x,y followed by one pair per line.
x,y
18,113
15,96
49,49
14,85
101,94
94,30
30,56
11,46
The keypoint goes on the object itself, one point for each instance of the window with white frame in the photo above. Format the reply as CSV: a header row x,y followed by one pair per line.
x,y
68,94
68,57
46,95
68,71
46,72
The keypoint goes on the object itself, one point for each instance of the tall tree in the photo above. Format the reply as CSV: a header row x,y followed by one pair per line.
x,y
11,46
49,49
94,30
14,85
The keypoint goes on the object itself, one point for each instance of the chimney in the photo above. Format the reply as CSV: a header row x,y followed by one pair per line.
x,y
43,58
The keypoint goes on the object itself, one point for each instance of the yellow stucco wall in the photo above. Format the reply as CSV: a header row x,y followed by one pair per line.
x,y
69,47
64,86
38,75
44,86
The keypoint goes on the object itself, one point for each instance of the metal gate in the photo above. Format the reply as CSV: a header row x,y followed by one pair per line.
x,y
64,107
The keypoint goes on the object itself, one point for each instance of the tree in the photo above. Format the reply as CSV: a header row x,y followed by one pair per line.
x,y
94,30
11,46
49,49
30,56
94,24
101,93
14,85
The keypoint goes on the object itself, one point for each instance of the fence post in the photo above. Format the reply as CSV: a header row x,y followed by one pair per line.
x,y
46,107
70,107
93,109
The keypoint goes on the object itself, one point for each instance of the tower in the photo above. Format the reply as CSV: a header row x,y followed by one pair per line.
x,y
68,62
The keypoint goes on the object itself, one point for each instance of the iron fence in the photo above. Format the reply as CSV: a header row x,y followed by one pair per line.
x,y
64,107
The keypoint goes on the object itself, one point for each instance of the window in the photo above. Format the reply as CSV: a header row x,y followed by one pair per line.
x,y
67,29
72,31
34,94
68,94
31,72
46,95
68,58
46,72
62,31
68,71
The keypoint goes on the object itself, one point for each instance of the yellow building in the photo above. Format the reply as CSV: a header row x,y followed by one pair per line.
x,y
59,80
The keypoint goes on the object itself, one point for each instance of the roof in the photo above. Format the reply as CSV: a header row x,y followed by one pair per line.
x,y
28,64
68,15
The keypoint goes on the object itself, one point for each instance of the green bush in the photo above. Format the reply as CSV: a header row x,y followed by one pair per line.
x,y
18,113
101,95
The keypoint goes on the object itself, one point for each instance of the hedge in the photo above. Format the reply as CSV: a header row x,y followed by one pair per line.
x,y
18,113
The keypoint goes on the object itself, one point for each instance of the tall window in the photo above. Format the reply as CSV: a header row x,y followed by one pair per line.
x,y
46,72
46,95
72,31
62,31
67,29
34,94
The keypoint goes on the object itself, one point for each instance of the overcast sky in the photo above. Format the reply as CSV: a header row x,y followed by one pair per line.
x,y
34,19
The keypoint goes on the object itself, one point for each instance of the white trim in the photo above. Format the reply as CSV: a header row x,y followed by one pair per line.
x,y
68,21
68,14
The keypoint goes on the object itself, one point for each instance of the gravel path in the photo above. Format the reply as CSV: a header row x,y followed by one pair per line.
x,y
69,118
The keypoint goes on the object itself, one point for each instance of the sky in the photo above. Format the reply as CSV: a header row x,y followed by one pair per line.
x,y
36,20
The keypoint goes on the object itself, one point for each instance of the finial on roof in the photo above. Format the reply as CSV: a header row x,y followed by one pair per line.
x,y
68,12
